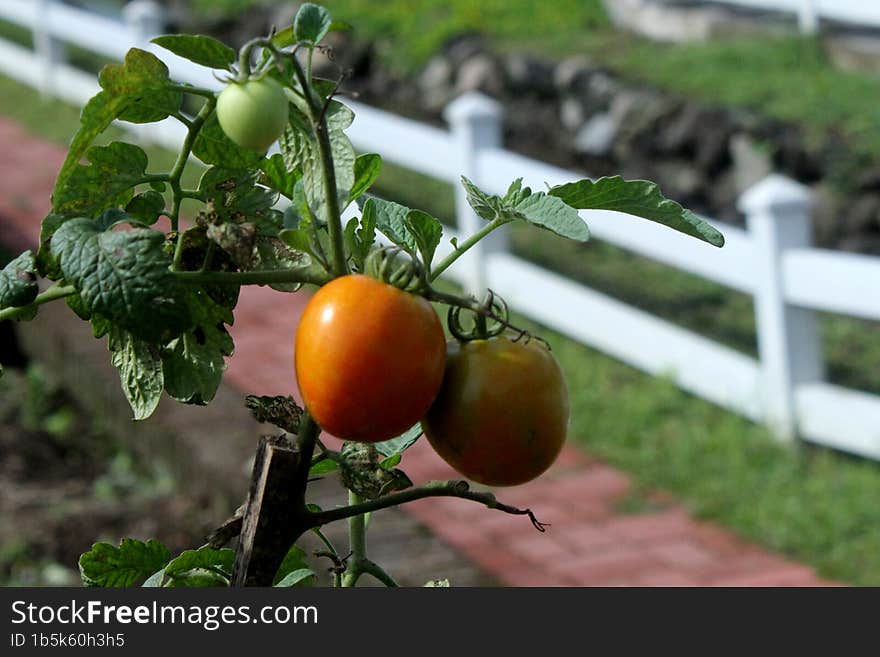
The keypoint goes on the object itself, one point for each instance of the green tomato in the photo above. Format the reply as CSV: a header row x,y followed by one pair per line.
x,y
253,114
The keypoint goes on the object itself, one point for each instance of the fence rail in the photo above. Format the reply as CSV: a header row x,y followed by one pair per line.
x,y
809,12
772,260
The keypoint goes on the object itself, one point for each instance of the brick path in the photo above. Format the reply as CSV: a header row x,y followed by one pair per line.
x,y
589,543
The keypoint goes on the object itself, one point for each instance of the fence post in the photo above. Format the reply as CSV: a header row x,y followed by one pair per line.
x,y
808,20
778,216
51,51
475,122
145,19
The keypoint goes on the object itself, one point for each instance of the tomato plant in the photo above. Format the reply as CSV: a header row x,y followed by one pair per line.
x,y
369,358
501,416
253,113
370,351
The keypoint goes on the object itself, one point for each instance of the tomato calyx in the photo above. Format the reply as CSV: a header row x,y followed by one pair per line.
x,y
391,265
488,320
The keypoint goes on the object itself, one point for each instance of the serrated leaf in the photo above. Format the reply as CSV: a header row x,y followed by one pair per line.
x,y
203,50
123,276
486,206
212,146
367,168
294,560
147,206
312,23
401,443
360,235
426,231
278,176
390,220
193,363
205,566
140,371
551,213
127,565
138,90
113,171
18,281
636,197
47,262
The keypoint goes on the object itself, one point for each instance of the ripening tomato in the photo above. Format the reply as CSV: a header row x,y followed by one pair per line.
x,y
501,415
369,358
253,114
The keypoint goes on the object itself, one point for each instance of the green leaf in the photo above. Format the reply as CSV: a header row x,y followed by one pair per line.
x,y
360,235
301,577
205,566
212,146
127,565
140,371
390,219
114,170
123,276
486,206
426,231
322,467
200,49
311,24
278,176
294,560
637,197
147,206
193,363
18,281
391,462
137,90
401,443
367,168
551,213
47,262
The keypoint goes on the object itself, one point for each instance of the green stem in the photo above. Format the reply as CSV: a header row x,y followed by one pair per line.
x,y
334,555
374,569
328,173
189,89
309,276
57,291
462,247
177,171
357,536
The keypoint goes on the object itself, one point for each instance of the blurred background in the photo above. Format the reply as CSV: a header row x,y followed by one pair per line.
x,y
739,385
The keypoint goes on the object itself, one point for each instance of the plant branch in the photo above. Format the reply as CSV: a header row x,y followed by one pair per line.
x,y
357,534
462,247
57,291
459,489
306,275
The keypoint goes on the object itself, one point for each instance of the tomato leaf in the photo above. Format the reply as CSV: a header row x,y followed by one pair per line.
x,y
536,208
426,231
123,276
18,281
278,176
401,443
205,566
300,578
127,565
47,262
147,206
106,182
140,371
212,146
390,219
200,49
637,197
295,560
137,90
322,467
311,24
391,462
193,363
367,168
360,235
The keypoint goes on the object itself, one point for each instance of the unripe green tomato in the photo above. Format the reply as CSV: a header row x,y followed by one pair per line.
x,y
253,114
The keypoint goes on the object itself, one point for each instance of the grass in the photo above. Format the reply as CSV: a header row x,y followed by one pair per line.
x,y
815,505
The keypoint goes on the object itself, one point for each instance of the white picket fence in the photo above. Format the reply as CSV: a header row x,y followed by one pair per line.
x,y
809,12
771,260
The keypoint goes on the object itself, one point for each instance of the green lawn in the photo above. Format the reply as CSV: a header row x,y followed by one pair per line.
x,y
815,505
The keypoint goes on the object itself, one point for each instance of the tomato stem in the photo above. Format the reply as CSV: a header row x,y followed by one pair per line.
x,y
357,537
463,247
57,291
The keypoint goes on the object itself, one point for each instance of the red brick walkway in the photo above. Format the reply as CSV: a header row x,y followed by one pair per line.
x,y
589,543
